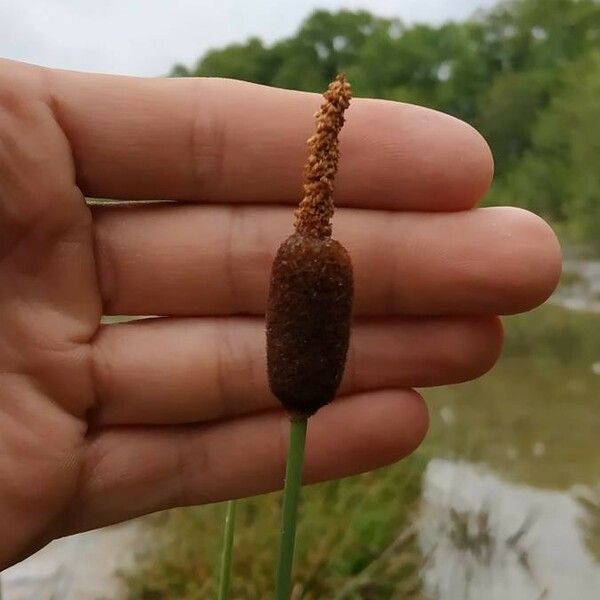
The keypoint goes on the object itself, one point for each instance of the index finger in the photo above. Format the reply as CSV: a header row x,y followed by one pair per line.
x,y
229,141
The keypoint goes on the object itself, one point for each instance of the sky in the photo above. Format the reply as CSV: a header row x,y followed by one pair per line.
x,y
146,37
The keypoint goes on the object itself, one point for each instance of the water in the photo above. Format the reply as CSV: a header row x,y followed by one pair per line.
x,y
535,418
581,288
487,539
79,567
512,507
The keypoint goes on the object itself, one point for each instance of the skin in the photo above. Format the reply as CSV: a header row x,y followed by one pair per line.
x,y
101,423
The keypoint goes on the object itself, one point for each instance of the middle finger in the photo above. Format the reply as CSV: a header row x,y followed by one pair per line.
x,y
215,260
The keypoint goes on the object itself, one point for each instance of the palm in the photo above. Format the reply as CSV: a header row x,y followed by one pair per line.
x,y
50,309
102,423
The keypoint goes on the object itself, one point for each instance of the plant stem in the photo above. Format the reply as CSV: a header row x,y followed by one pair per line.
x,y
291,496
226,554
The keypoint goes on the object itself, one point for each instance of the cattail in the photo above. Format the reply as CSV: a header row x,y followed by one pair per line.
x,y
308,321
309,311
310,297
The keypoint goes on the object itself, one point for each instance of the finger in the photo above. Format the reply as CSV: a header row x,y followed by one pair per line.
x,y
231,141
163,371
134,471
192,260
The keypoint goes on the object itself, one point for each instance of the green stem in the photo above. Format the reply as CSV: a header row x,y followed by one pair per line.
x,y
226,554
291,496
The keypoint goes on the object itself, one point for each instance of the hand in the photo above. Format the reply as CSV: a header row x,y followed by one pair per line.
x,y
100,423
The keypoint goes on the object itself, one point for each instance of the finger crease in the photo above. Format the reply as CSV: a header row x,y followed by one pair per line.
x,y
233,220
99,394
207,144
192,458
105,268
224,354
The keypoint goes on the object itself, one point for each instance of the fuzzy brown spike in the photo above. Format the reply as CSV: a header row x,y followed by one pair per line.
x,y
313,216
308,322
310,298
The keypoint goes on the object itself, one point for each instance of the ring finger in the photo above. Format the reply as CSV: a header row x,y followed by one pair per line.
x,y
167,371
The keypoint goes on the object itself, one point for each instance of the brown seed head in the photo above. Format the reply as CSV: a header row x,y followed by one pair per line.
x,y
313,216
310,297
308,322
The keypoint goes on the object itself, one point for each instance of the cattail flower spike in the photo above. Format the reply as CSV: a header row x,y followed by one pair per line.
x,y
309,309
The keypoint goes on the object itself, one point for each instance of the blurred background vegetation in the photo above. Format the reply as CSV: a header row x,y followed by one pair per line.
x,y
526,74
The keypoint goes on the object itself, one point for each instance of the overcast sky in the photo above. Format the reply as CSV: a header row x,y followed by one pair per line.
x,y
146,37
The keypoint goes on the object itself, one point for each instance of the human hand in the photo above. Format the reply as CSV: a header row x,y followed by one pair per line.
x,y
101,423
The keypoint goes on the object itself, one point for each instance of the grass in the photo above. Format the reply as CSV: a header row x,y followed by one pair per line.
x,y
355,540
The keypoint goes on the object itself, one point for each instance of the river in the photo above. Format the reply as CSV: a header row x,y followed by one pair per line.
x,y
511,509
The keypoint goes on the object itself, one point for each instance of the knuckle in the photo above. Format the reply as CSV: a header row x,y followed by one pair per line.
x,y
36,171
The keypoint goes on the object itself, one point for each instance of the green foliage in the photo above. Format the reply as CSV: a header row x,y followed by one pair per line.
x,y
355,540
507,113
249,61
525,73
558,174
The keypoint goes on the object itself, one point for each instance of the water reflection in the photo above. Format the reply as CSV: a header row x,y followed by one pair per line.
x,y
488,539
525,522
580,287
536,417
589,499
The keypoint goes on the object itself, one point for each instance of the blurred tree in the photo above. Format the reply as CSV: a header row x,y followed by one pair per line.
x,y
249,61
508,111
525,73
564,161
526,34
179,70
336,38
